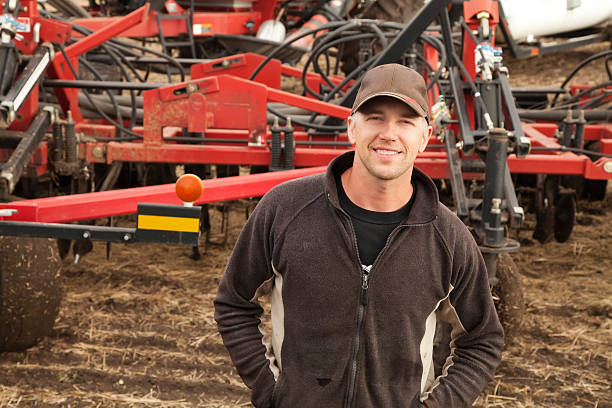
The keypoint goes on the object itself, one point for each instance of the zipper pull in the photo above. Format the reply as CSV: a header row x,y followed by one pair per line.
x,y
364,286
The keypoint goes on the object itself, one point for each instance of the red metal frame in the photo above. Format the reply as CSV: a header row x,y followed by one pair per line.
x,y
60,68
223,105
243,66
574,89
471,10
49,31
209,22
235,22
118,202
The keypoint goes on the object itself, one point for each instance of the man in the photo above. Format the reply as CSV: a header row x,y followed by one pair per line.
x,y
362,264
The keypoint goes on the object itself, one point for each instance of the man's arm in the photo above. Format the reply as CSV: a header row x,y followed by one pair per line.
x,y
236,311
477,338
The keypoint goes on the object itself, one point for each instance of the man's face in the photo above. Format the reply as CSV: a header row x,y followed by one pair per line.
x,y
387,135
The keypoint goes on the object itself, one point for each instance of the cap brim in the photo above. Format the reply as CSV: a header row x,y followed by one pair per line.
x,y
410,102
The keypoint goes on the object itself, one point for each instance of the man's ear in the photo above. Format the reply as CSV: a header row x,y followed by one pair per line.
x,y
350,130
425,139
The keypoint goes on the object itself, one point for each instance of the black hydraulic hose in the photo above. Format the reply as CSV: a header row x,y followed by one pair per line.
x,y
120,45
364,66
319,49
381,36
585,62
393,25
326,128
104,115
323,47
325,44
427,66
596,101
602,54
284,45
327,26
434,42
475,91
280,48
127,62
464,70
576,98
125,47
468,30
438,46
96,74
125,74
571,149
114,56
591,115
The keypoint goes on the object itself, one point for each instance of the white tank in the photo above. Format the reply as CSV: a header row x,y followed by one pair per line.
x,y
532,18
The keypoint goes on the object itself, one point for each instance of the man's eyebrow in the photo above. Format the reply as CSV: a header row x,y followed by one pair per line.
x,y
372,111
379,111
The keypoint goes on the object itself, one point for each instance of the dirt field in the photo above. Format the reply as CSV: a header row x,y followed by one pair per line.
x,y
137,330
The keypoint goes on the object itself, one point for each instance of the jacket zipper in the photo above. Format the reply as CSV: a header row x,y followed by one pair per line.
x,y
365,277
365,274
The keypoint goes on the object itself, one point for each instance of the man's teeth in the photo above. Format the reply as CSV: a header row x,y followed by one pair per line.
x,y
389,152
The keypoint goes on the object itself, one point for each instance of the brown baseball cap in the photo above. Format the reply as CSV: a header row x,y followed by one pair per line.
x,y
397,81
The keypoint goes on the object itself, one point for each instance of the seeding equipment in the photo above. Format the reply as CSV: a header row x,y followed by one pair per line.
x,y
66,137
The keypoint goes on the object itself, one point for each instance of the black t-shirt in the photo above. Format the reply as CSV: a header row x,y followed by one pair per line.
x,y
372,228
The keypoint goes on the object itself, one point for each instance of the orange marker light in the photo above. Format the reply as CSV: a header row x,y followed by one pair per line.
x,y
189,188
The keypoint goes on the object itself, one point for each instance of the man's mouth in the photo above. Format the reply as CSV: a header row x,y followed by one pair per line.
x,y
385,152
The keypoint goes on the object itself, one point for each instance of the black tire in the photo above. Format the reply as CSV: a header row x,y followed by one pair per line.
x,y
30,291
595,190
545,209
565,216
508,295
545,224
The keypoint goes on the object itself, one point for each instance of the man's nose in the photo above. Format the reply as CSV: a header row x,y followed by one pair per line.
x,y
388,131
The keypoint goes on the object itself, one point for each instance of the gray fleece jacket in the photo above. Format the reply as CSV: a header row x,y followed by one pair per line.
x,y
346,337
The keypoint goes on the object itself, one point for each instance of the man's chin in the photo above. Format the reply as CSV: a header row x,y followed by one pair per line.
x,y
388,174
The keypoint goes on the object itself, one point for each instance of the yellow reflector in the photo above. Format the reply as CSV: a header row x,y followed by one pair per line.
x,y
157,222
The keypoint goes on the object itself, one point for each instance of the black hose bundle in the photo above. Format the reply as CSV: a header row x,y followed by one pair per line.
x,y
118,51
330,43
573,101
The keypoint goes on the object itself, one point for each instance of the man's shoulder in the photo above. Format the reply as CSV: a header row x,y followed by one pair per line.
x,y
449,225
297,190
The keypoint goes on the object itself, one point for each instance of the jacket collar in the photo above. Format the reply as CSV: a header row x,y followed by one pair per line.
x,y
425,207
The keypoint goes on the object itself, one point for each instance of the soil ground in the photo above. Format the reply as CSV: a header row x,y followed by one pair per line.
x,y
137,330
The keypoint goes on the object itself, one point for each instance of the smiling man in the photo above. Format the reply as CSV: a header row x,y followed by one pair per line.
x,y
364,266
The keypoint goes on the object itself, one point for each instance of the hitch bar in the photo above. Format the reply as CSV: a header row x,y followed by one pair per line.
x,y
159,223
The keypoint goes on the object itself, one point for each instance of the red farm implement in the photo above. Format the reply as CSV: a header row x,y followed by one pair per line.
x,y
497,149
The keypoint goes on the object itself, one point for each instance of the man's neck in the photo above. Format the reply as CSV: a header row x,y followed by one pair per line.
x,y
374,194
